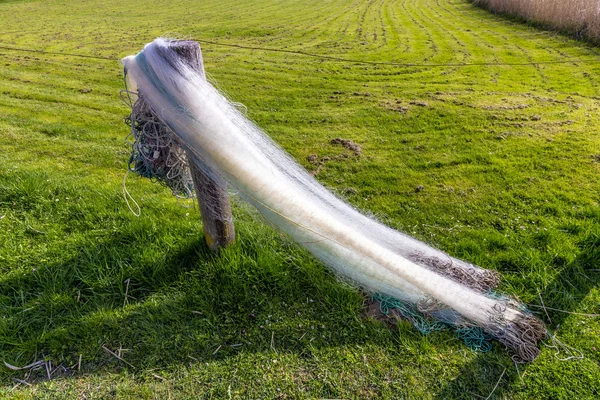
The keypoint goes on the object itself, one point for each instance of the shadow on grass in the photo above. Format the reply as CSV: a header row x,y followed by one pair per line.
x,y
171,307
164,299
565,293
97,278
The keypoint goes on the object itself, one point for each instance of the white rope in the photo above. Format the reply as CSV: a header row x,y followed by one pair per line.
x,y
127,196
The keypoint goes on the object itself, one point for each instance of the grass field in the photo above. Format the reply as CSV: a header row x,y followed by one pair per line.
x,y
503,141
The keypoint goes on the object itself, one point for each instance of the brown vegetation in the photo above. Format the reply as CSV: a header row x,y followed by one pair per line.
x,y
580,17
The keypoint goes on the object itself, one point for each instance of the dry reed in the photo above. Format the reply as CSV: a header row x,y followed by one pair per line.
x,y
578,17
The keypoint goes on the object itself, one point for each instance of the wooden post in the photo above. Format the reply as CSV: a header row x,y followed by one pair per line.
x,y
211,192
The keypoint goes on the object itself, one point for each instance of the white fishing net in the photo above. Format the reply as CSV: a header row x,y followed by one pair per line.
x,y
381,260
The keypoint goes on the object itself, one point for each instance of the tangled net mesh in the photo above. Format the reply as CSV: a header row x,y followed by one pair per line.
x,y
155,151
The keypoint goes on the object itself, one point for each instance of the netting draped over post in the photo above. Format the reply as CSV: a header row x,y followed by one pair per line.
x,y
379,259
158,154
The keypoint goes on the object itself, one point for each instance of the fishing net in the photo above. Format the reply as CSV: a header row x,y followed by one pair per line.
x,y
429,287
155,152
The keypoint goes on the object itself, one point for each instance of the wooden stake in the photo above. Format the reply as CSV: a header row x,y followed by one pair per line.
x,y
211,192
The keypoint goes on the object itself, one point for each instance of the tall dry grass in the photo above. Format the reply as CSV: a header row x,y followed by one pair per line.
x,y
579,17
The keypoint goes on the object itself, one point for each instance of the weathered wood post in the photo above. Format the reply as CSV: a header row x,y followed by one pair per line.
x,y
211,191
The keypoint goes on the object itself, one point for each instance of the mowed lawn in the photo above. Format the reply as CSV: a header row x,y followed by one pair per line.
x,y
485,146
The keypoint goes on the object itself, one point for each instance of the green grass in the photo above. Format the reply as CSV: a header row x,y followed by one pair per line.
x,y
508,156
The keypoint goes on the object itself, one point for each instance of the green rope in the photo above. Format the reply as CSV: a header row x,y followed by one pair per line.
x,y
423,325
473,337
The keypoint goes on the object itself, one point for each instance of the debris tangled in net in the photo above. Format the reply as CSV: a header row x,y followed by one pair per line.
x,y
432,288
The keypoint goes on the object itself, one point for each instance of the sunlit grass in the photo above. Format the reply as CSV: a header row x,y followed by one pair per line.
x,y
507,158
